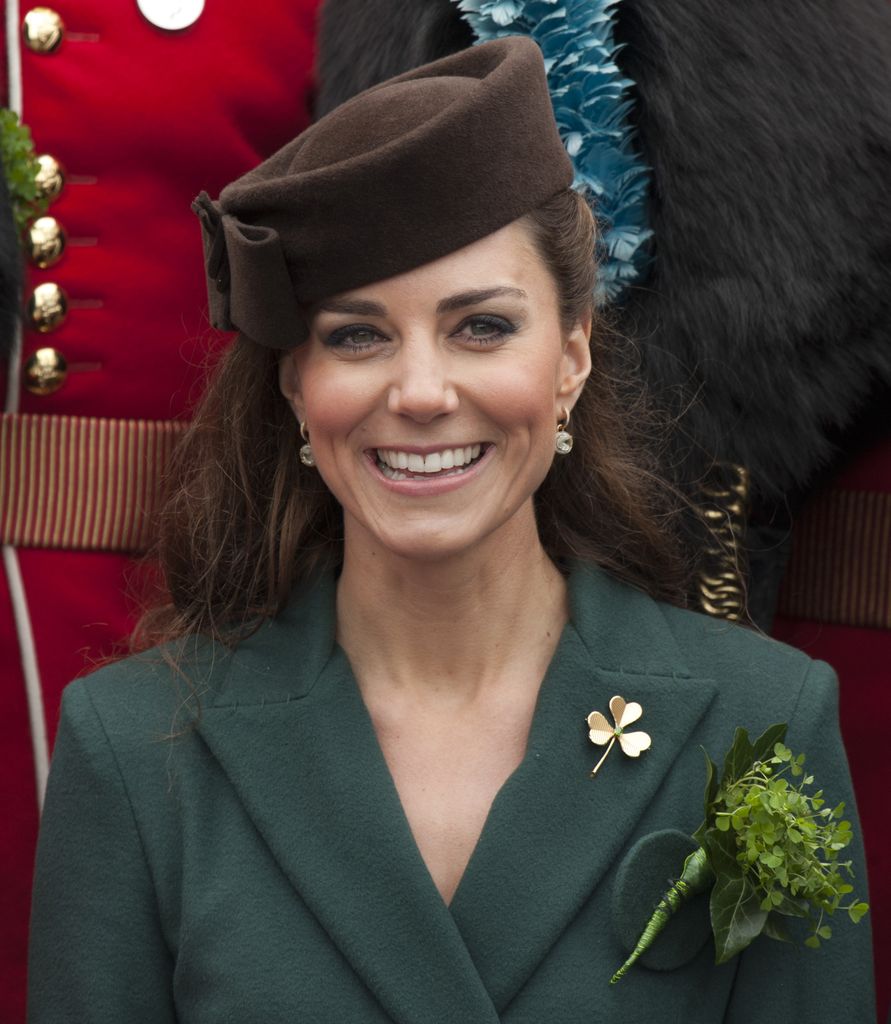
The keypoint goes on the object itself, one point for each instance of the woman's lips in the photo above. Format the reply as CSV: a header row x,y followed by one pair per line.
x,y
417,473
403,463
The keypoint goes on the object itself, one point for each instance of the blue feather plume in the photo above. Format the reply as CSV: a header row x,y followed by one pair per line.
x,y
591,105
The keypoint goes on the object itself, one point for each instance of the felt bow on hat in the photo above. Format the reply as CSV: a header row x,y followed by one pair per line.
x,y
249,286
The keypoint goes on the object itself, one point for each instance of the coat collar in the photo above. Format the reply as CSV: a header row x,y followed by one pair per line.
x,y
290,729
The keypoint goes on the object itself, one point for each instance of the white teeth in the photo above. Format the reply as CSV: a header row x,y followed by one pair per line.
x,y
435,462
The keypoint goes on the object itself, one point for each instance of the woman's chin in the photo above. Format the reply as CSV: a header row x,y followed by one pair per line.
x,y
428,548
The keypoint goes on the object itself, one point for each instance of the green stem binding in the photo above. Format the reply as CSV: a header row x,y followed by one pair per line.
x,y
696,877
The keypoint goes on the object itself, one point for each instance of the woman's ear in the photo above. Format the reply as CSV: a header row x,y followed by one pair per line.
x,y
575,364
289,382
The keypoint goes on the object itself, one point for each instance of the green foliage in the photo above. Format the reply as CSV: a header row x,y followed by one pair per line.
x,y
767,848
20,167
774,847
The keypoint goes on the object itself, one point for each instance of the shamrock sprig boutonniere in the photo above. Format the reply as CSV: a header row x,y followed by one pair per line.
x,y
769,849
20,167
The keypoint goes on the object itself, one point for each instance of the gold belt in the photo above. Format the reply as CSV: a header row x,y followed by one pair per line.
x,y
81,481
840,568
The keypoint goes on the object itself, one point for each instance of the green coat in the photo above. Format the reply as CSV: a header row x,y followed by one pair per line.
x,y
258,867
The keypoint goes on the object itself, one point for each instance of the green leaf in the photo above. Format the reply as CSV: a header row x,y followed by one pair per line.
x,y
739,757
737,917
857,911
697,872
825,932
711,781
720,849
812,941
763,746
791,907
775,928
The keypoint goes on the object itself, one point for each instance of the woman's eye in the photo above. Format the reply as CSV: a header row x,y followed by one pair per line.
x,y
355,338
485,329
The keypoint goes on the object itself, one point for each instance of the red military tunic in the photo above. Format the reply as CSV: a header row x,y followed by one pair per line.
x,y
139,118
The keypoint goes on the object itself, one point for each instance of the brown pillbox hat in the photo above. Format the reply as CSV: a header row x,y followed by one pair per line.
x,y
404,173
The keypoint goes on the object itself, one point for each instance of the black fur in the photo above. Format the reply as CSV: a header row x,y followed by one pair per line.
x,y
363,42
766,320
768,127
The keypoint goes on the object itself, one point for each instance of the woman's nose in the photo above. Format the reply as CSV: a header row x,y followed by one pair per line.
x,y
422,387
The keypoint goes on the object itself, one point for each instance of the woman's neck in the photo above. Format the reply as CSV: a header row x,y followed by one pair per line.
x,y
452,627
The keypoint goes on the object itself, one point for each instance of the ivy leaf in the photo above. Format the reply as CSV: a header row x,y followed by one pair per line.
x,y
738,758
791,907
737,917
762,748
720,848
710,795
775,928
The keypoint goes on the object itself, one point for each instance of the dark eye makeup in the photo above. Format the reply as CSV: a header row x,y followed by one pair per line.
x,y
481,329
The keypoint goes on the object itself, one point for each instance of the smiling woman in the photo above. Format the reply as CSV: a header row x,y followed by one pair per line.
x,y
606,505
414,542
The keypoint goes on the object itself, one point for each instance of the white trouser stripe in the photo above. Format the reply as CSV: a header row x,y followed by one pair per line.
x,y
28,654
14,55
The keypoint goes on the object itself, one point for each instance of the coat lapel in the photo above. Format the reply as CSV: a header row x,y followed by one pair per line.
x,y
290,730
553,832
292,734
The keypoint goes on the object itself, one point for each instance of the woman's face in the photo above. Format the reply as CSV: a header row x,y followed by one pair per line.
x,y
432,398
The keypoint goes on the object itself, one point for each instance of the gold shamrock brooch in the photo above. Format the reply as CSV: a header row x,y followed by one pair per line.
x,y
632,743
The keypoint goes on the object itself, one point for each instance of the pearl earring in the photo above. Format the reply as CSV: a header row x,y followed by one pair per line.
x,y
306,453
563,439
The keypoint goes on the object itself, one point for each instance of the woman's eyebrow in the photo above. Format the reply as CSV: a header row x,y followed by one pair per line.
x,y
472,298
365,307
353,307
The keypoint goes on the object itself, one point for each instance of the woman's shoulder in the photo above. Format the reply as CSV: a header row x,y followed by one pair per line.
x,y
711,644
161,688
279,660
646,635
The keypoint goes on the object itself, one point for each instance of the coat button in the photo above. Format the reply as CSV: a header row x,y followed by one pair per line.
x,y
50,177
47,307
171,15
45,242
45,371
43,30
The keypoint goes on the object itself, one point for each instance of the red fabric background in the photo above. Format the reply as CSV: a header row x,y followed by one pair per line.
x,y
142,120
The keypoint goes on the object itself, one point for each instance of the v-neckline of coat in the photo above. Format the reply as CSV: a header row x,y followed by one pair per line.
x,y
384,771
302,754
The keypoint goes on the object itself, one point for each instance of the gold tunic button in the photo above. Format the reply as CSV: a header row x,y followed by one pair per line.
x,y
46,241
43,30
45,371
47,307
50,176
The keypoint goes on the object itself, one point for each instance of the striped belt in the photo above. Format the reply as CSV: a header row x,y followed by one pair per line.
x,y
81,482
840,568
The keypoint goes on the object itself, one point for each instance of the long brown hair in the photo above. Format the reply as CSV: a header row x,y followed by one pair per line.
x,y
245,522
